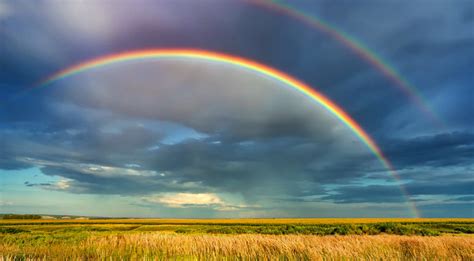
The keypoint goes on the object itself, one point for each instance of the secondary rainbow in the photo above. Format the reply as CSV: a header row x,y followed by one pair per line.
x,y
242,63
359,49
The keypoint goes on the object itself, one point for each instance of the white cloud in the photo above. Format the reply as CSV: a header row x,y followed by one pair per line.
x,y
63,184
6,203
92,169
183,200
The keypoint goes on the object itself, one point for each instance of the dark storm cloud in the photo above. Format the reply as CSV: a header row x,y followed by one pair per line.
x,y
261,168
202,99
254,169
256,139
447,188
82,181
244,144
364,194
423,46
391,193
446,210
116,149
44,184
446,149
276,39
464,198
12,164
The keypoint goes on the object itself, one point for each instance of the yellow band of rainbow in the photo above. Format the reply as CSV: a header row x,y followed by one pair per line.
x,y
360,50
243,63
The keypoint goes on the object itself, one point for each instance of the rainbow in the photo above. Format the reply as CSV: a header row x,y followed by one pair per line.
x,y
242,63
360,50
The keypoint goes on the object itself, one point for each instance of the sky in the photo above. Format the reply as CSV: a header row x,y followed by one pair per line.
x,y
192,138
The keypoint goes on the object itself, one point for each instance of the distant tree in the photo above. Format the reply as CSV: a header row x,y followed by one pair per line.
x,y
18,216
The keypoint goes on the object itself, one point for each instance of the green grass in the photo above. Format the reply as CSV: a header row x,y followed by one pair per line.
x,y
292,241
395,228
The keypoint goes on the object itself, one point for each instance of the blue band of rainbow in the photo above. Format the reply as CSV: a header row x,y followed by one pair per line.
x,y
246,64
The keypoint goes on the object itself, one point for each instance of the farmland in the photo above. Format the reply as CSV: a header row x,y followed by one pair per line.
x,y
239,238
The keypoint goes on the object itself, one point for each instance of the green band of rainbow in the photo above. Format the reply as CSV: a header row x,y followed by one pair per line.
x,y
242,63
360,50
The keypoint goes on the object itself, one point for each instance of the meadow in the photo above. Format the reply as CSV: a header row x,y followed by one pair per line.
x,y
310,239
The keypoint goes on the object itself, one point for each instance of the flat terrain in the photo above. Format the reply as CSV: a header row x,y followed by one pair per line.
x,y
237,221
451,239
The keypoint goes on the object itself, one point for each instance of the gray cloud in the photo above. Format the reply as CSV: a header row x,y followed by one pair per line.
x,y
446,149
129,120
371,193
464,198
233,141
445,210
391,193
176,125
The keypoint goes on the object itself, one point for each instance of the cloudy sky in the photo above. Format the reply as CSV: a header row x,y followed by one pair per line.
x,y
182,137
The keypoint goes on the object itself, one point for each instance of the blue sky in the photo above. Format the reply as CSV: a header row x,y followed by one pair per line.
x,y
189,138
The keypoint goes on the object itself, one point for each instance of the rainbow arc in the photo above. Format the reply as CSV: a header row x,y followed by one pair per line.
x,y
360,50
262,69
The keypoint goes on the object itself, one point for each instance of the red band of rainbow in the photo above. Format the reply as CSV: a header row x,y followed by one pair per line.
x,y
242,63
360,50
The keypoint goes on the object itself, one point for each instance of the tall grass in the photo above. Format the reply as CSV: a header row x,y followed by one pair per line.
x,y
255,239
408,229
262,247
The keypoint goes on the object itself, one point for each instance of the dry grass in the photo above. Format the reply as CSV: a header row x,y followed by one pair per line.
x,y
151,239
262,247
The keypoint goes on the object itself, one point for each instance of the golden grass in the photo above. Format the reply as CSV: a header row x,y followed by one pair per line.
x,y
236,221
262,247
124,239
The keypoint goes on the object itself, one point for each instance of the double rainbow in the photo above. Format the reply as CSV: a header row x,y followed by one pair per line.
x,y
245,64
360,50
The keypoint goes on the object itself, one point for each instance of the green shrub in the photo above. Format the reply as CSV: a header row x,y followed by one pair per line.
x,y
11,230
18,216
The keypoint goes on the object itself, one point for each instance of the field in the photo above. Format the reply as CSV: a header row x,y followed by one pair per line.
x,y
315,239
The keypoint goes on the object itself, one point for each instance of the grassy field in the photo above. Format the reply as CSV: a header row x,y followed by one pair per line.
x,y
415,239
237,221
